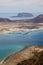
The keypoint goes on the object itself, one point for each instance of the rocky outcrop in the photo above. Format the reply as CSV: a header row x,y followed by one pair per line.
x,y
37,59
29,56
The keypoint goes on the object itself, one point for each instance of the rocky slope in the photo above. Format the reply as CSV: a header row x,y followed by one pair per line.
x,y
5,20
29,56
38,19
37,59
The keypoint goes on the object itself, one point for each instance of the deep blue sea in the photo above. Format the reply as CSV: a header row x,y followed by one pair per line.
x,y
13,42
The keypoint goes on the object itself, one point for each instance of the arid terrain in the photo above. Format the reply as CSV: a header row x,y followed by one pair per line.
x,y
32,55
9,26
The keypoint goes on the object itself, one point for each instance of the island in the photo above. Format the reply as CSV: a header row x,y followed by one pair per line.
x,y
31,55
24,15
9,26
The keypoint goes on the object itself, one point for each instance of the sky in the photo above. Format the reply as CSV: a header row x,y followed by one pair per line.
x,y
21,6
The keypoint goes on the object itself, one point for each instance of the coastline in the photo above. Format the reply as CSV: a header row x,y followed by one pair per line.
x,y
26,25
22,55
20,30
23,26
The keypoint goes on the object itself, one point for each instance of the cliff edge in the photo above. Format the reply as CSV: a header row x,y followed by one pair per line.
x,y
29,56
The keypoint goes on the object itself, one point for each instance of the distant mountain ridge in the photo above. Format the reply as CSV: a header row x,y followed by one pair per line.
x,y
38,19
5,20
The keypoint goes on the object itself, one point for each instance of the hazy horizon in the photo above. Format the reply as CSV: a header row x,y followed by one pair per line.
x,y
16,6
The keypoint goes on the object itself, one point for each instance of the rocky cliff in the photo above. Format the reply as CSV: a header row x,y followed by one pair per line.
x,y
29,56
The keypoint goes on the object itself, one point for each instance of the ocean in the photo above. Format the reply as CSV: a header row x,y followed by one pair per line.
x,y
16,41
11,16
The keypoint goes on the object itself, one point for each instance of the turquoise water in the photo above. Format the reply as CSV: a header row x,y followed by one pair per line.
x,y
11,43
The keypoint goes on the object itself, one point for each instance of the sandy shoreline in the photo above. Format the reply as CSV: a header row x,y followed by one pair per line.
x,y
20,30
